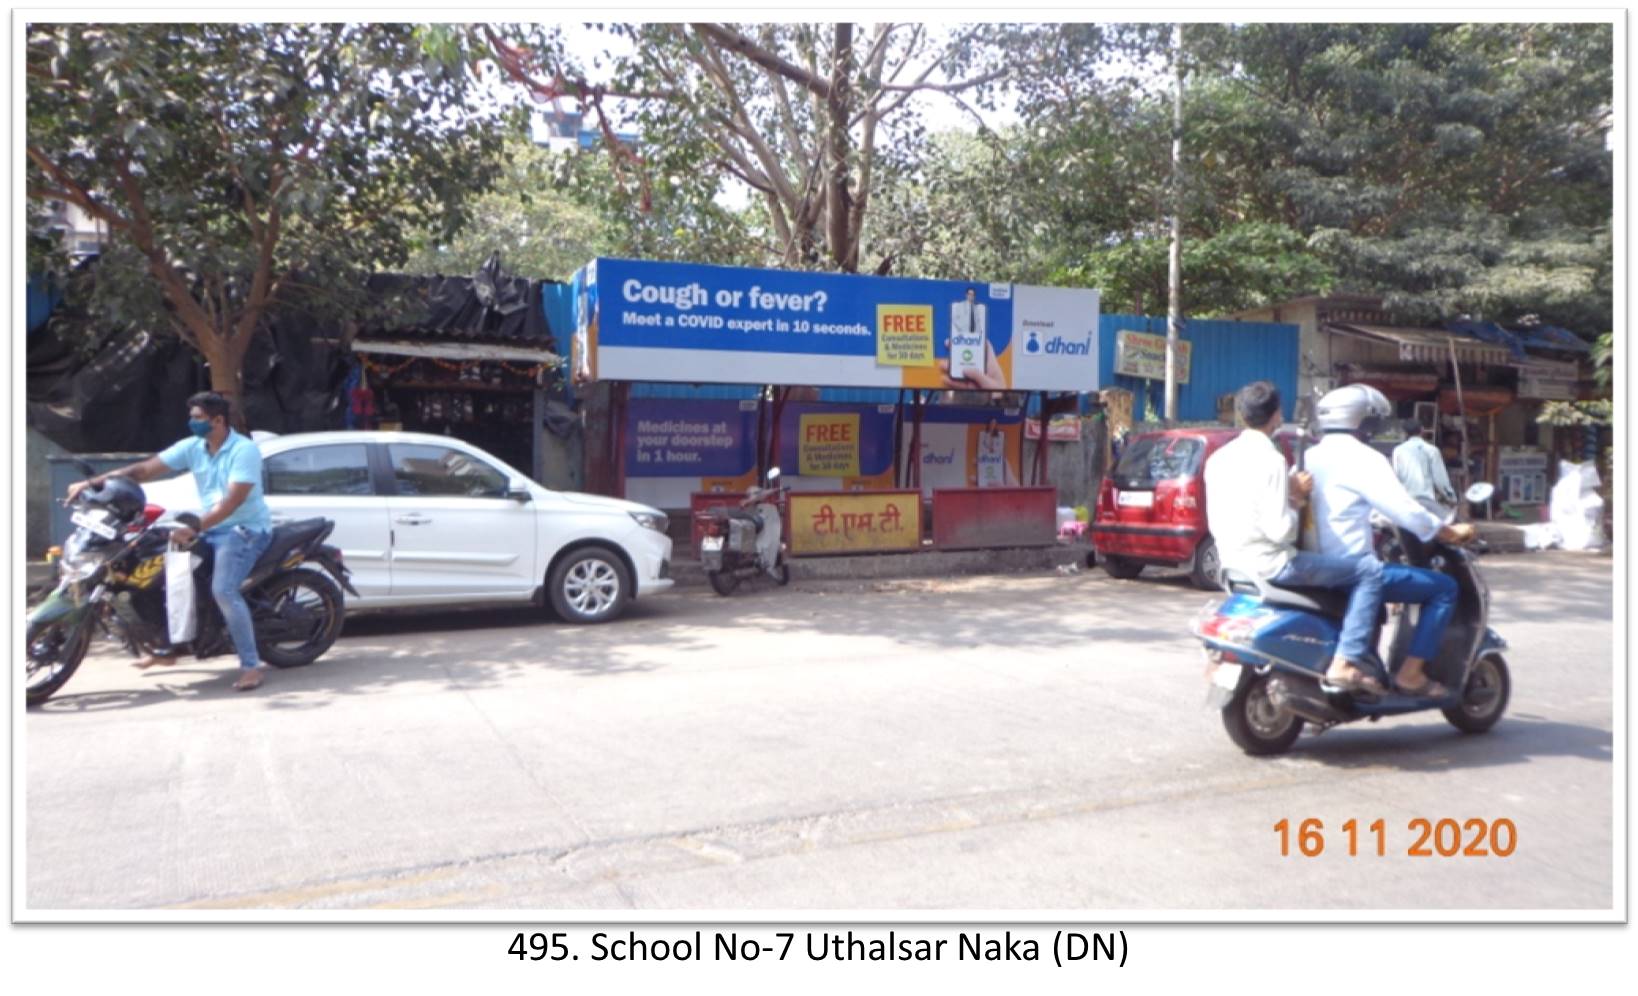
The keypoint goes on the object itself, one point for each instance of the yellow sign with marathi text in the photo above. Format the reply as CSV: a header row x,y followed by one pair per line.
x,y
904,335
828,522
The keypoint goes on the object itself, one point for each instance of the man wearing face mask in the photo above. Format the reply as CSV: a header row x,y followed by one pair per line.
x,y
227,469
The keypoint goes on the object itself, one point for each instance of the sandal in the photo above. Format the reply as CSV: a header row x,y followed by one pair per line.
x,y
1357,680
155,661
1428,689
252,678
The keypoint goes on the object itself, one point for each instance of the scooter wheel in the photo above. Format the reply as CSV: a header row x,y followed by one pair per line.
x,y
723,582
782,574
1484,697
1255,724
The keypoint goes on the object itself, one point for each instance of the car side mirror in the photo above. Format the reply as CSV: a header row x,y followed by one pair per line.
x,y
519,493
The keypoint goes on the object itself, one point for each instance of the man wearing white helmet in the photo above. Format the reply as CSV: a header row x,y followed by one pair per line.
x,y
1350,481
1252,500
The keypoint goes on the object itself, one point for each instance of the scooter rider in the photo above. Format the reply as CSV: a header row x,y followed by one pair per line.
x,y
1350,480
227,468
1251,508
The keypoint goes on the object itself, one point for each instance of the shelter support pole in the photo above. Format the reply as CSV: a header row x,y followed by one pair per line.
x,y
537,431
915,445
898,443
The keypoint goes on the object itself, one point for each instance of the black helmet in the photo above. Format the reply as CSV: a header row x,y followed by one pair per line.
x,y
119,495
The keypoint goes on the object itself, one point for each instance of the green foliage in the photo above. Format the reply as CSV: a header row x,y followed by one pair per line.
x,y
241,166
1569,413
1244,266
1454,169
537,229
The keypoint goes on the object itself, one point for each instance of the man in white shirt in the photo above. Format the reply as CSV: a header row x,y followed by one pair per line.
x,y
1350,481
1421,469
1252,500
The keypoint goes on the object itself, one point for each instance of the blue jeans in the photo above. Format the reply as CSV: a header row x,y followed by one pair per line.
x,y
237,549
1435,592
1361,575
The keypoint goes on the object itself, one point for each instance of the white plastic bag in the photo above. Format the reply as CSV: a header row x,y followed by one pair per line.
x,y
1577,510
180,612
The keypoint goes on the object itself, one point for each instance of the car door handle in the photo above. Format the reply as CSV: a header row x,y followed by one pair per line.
x,y
413,520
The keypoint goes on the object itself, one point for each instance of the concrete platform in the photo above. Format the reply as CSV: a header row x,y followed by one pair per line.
x,y
926,564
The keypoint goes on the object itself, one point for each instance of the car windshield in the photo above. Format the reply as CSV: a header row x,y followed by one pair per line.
x,y
1157,458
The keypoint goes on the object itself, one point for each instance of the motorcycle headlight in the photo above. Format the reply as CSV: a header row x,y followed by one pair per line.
x,y
78,563
651,520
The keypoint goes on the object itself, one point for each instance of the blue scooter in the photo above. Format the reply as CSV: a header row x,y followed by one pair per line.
x,y
1268,647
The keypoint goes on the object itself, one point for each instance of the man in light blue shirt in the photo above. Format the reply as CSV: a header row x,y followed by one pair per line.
x,y
227,469
1421,469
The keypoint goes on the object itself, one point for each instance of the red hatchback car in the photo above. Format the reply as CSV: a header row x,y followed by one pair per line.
x,y
1152,507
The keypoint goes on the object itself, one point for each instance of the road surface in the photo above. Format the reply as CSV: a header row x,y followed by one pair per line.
x,y
1022,742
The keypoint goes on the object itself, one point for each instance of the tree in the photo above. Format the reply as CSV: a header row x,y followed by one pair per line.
x,y
806,115
538,229
240,167
1453,168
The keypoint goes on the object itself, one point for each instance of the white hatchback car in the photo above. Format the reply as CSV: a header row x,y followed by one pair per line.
x,y
425,520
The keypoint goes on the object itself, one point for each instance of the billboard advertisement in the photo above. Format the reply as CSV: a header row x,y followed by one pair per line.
x,y
677,447
684,322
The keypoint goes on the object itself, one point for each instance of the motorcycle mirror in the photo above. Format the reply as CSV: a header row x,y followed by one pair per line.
x,y
1480,493
773,475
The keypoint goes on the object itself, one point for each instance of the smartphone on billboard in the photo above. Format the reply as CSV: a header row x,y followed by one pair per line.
x,y
968,326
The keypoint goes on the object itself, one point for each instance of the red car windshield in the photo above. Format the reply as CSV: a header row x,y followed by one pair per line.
x,y
1157,458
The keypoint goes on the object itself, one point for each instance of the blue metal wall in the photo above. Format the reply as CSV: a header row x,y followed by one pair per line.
x,y
1226,356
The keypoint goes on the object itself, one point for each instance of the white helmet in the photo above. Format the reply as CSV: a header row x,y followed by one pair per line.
x,y
1355,408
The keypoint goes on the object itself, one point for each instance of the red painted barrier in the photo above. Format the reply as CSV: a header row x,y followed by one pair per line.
x,y
986,518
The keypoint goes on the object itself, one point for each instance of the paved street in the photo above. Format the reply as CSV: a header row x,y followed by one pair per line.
x,y
1029,742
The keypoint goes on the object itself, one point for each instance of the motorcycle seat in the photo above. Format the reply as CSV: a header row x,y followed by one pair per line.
x,y
288,536
1325,601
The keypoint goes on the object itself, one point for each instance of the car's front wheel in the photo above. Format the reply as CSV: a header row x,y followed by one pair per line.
x,y
590,585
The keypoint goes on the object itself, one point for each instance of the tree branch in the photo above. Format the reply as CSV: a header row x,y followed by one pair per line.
x,y
737,42
74,192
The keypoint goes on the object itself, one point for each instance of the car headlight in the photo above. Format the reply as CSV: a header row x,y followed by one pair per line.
x,y
651,520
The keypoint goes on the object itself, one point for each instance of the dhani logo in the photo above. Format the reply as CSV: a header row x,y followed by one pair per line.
x,y
932,457
1059,346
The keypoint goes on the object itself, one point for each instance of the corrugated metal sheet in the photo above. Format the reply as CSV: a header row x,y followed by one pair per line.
x,y
704,392
1225,357
861,395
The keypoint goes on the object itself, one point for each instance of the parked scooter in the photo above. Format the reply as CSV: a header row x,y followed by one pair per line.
x,y
1268,647
113,580
740,543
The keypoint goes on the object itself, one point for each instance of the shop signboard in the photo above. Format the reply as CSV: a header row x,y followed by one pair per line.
x,y
833,522
1141,354
640,320
1062,429
1546,380
1523,475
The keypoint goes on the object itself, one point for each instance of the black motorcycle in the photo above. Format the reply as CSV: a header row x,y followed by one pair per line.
x,y
113,581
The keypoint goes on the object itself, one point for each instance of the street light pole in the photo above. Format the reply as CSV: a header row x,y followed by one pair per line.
x,y
1174,308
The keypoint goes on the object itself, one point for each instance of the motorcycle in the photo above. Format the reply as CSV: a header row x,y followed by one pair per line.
x,y
740,543
112,579
1267,649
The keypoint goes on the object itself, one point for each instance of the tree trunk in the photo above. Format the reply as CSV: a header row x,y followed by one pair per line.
x,y
838,205
225,355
